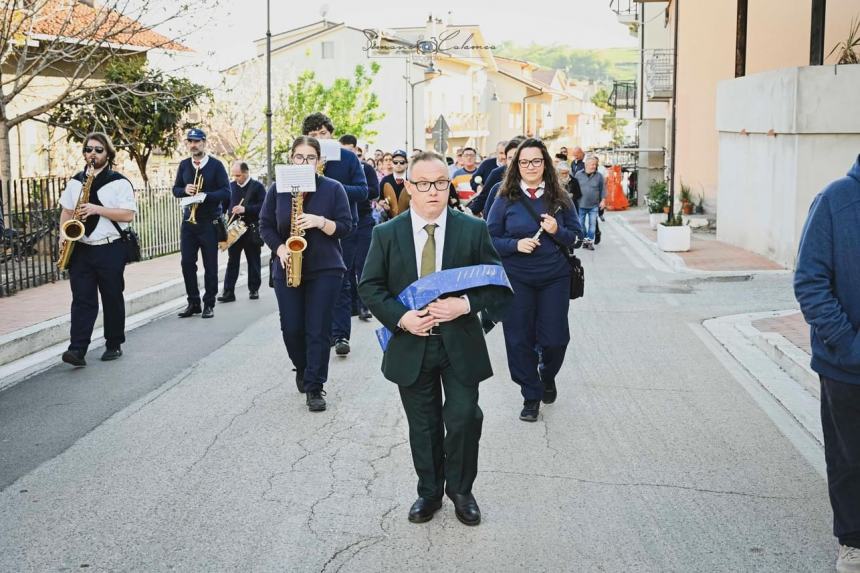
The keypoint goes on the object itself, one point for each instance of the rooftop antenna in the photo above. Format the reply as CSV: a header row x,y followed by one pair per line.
x,y
324,12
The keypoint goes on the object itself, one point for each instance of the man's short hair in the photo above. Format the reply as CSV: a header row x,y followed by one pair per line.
x,y
315,121
472,149
348,139
243,167
502,143
514,143
426,156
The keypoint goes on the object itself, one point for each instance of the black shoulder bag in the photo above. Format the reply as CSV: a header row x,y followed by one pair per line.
x,y
131,241
577,273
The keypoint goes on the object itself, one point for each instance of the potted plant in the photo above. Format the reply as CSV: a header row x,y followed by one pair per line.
x,y
658,202
686,198
673,235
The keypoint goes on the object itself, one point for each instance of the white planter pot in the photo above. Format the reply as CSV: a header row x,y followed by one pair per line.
x,y
655,219
673,239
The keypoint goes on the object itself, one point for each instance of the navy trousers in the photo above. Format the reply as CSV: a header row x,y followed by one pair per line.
x,y
193,238
93,271
536,331
840,421
342,317
234,257
306,313
363,235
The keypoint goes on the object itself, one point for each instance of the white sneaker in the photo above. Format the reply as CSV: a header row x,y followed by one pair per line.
x,y
848,560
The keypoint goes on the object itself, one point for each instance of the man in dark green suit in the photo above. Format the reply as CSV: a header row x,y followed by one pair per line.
x,y
440,346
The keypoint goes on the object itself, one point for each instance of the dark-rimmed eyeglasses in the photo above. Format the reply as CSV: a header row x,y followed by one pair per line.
x,y
97,149
424,186
536,162
299,159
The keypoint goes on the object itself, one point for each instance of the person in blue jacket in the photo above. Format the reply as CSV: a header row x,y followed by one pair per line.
x,y
494,181
200,235
827,286
306,309
536,325
350,173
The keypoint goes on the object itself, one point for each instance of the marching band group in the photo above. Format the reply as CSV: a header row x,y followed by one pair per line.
x,y
331,260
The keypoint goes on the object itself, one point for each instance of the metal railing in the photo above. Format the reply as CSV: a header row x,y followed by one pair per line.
x,y
626,10
623,95
659,74
29,230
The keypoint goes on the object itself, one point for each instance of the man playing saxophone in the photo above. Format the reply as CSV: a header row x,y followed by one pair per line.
x,y
307,282
98,260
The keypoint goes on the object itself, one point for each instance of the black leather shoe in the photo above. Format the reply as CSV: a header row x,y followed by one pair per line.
x,y
550,393
341,347
190,310
208,312
530,411
364,315
227,296
423,509
111,354
254,295
315,401
300,382
74,358
466,508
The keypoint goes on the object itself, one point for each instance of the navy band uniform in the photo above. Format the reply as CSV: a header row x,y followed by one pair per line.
x,y
253,194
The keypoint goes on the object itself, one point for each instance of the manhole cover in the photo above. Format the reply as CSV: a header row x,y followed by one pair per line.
x,y
666,289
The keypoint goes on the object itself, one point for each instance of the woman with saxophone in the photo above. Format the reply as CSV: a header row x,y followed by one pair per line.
x,y
97,203
303,230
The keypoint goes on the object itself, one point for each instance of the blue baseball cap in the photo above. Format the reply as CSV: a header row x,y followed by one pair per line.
x,y
196,134
399,153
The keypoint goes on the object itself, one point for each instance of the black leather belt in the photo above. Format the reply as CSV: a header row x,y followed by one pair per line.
x,y
435,331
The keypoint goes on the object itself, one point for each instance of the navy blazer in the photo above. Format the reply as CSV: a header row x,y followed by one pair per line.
x,y
323,255
216,185
253,193
349,172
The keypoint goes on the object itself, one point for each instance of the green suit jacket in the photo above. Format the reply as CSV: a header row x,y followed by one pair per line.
x,y
391,267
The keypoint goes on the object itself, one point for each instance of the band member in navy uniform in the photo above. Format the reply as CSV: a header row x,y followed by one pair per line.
x,y
536,326
250,193
361,236
99,257
349,173
201,234
306,309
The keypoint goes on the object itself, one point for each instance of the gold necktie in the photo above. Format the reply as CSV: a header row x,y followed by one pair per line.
x,y
428,255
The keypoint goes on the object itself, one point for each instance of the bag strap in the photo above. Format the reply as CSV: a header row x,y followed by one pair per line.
x,y
119,229
564,250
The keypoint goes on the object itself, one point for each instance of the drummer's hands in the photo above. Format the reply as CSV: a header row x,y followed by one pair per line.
x,y
448,309
418,322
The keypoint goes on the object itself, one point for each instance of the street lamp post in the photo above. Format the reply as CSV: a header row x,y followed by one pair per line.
x,y
430,73
270,175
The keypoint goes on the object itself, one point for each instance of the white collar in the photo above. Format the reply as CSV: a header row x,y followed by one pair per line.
x,y
248,180
203,161
540,187
418,222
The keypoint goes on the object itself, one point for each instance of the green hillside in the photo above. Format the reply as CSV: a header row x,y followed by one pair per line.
x,y
596,65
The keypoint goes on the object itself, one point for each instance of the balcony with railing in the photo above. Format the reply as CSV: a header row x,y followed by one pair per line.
x,y
623,96
659,74
627,12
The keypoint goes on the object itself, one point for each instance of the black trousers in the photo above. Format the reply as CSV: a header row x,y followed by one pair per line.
x,y
234,257
443,437
93,271
840,420
199,237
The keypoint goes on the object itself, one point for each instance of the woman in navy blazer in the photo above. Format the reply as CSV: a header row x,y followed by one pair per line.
x,y
536,327
306,310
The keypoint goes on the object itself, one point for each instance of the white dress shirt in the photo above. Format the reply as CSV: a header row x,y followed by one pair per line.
x,y
420,236
117,194
539,192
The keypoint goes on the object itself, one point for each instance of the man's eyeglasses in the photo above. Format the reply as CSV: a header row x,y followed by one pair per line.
x,y
90,149
536,162
424,186
399,162
299,159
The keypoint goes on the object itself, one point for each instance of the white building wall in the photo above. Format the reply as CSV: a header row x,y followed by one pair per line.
x,y
768,180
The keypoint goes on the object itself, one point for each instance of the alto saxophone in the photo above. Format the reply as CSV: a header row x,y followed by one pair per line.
x,y
72,230
296,243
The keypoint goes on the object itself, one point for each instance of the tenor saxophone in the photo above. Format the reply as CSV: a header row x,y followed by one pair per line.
x,y
72,230
296,243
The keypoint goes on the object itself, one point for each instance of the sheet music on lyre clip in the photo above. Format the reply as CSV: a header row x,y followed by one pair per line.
x,y
330,149
192,199
295,178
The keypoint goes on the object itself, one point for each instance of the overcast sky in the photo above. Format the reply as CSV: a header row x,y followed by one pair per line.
x,y
575,23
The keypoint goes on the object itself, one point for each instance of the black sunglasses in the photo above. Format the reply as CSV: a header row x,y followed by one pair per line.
x,y
89,149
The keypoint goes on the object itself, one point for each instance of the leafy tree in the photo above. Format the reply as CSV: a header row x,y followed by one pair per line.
x,y
350,104
593,65
140,120
611,122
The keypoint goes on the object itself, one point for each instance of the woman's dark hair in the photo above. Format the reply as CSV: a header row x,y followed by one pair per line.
x,y
106,143
306,140
315,121
555,194
514,143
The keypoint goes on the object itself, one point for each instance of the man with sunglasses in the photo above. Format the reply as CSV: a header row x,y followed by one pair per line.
x,y
99,258
200,234
440,346
395,201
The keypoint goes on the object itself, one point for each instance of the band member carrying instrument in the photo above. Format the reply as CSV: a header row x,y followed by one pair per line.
x,y
439,345
308,276
246,198
96,203
200,174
